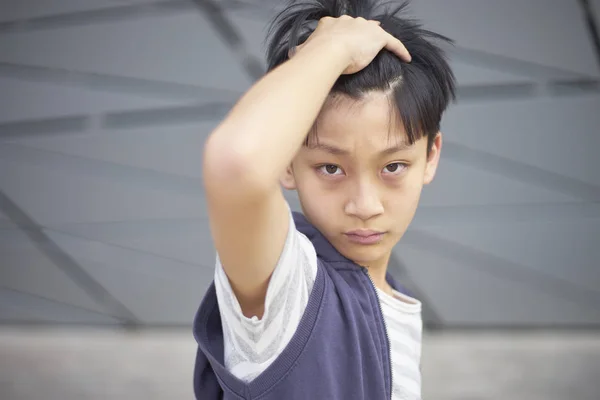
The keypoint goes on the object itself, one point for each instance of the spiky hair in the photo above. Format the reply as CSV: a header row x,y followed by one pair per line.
x,y
420,90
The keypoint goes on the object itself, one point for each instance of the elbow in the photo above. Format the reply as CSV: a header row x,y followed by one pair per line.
x,y
232,169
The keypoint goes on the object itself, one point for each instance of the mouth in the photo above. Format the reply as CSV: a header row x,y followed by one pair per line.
x,y
364,236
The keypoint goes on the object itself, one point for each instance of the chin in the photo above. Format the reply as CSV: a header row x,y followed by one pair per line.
x,y
364,255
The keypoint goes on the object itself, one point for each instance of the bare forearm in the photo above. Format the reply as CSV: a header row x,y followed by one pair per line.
x,y
268,125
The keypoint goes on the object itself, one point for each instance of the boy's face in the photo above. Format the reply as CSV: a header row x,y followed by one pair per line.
x,y
361,183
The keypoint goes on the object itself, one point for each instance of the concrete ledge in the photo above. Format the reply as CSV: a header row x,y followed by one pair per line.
x,y
93,363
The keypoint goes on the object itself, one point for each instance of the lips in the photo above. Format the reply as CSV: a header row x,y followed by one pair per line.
x,y
365,236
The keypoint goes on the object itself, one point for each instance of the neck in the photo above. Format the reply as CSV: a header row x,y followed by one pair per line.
x,y
377,271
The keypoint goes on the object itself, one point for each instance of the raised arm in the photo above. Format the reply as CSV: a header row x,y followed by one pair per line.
x,y
247,153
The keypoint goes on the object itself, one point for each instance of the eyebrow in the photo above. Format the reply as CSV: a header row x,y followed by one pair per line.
x,y
342,152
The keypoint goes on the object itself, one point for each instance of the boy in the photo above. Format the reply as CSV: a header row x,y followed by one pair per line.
x,y
302,306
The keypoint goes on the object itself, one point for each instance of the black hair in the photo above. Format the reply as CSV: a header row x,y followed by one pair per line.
x,y
421,90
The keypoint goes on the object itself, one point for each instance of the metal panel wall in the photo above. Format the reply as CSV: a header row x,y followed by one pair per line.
x,y
105,106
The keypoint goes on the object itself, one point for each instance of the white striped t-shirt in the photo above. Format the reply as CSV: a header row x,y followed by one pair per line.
x,y
251,345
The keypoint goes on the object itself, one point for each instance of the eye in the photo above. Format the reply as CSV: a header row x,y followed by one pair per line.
x,y
330,170
394,168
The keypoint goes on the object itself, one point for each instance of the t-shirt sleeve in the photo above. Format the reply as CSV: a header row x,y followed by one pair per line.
x,y
252,344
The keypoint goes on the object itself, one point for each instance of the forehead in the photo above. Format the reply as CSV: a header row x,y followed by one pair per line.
x,y
369,122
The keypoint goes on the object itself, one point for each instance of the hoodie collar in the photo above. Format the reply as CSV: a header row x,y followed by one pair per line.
x,y
325,249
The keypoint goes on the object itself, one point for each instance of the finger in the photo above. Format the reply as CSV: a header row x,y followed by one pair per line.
x,y
395,46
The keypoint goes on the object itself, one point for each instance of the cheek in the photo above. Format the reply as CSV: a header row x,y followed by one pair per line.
x,y
402,198
408,183
315,197
319,199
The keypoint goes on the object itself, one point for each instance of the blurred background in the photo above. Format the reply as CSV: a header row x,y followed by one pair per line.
x,y
105,252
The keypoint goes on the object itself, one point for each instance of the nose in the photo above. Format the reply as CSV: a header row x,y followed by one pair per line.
x,y
365,202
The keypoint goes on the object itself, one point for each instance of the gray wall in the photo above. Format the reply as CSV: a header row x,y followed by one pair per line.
x,y
104,107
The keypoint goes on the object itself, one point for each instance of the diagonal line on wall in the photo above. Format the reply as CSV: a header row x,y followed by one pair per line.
x,y
99,15
592,25
43,126
61,303
128,248
521,171
115,83
148,117
502,268
62,260
202,219
482,92
230,35
104,169
503,63
65,232
213,111
583,86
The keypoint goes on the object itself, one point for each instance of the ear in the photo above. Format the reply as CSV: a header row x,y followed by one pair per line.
x,y
433,159
287,179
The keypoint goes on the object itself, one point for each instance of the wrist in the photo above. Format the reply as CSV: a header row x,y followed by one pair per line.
x,y
327,51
